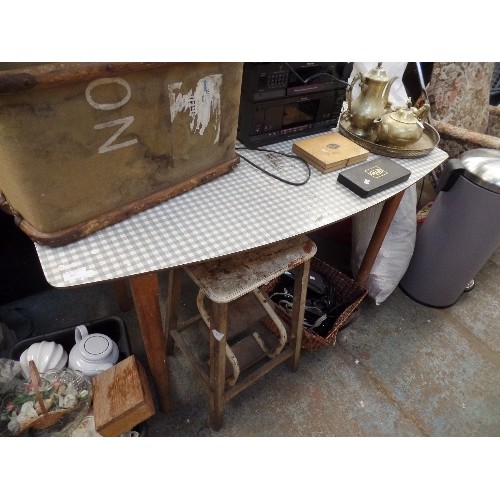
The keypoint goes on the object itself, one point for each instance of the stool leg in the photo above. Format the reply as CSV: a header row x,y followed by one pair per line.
x,y
218,322
299,294
172,306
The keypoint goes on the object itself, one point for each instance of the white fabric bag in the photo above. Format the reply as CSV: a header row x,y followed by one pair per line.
x,y
396,250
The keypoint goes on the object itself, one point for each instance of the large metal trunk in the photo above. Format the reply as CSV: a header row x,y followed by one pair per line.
x,y
84,145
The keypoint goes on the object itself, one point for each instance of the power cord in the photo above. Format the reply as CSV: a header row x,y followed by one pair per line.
x,y
293,157
307,80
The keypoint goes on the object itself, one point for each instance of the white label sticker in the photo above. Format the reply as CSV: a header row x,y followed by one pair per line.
x,y
218,335
78,274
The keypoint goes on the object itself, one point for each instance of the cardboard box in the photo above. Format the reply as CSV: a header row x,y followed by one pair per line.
x,y
329,152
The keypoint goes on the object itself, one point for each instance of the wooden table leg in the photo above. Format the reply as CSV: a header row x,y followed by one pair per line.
x,y
384,221
145,292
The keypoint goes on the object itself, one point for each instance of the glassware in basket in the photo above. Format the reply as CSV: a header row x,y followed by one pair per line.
x,y
10,375
52,405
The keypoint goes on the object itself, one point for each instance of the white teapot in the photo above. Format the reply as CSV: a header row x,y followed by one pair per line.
x,y
93,353
46,355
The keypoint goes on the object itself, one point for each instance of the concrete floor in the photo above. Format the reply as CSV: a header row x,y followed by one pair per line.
x,y
401,369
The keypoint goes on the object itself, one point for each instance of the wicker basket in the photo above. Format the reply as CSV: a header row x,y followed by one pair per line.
x,y
351,294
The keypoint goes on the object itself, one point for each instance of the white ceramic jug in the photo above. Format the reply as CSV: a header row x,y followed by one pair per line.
x,y
92,353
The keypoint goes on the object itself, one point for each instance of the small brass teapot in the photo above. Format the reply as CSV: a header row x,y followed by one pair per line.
x,y
402,127
372,102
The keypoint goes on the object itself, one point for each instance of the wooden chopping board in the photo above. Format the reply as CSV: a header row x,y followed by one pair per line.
x,y
122,398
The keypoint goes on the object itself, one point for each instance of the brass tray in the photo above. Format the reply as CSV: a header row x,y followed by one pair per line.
x,y
422,147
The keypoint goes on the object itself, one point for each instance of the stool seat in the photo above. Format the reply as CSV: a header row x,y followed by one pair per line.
x,y
229,280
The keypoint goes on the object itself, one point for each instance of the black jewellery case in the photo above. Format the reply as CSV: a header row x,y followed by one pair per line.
x,y
374,176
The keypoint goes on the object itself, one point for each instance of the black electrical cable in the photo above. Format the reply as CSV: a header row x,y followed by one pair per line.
x,y
307,80
294,157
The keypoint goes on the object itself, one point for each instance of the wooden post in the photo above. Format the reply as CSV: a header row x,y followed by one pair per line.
x,y
297,324
145,292
218,339
122,294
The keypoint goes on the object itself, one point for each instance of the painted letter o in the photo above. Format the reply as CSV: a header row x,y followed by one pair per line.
x,y
105,81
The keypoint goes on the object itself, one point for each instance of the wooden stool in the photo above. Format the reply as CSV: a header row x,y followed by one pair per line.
x,y
236,279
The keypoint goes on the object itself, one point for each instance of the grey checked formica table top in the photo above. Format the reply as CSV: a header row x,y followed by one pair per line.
x,y
238,211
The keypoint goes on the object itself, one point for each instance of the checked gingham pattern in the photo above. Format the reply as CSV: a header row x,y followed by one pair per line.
x,y
238,211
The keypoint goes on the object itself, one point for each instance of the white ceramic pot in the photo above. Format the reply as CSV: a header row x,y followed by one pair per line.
x,y
46,355
92,353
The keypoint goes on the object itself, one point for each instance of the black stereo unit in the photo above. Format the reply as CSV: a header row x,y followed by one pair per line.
x,y
281,101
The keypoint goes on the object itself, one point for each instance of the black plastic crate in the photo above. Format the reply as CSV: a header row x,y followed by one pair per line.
x,y
112,326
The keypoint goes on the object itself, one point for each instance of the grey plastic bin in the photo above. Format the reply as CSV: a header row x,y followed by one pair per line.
x,y
461,232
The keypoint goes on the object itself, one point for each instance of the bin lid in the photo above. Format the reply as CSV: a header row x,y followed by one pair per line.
x,y
482,167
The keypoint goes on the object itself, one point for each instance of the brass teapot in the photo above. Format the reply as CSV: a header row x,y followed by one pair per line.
x,y
372,102
402,127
